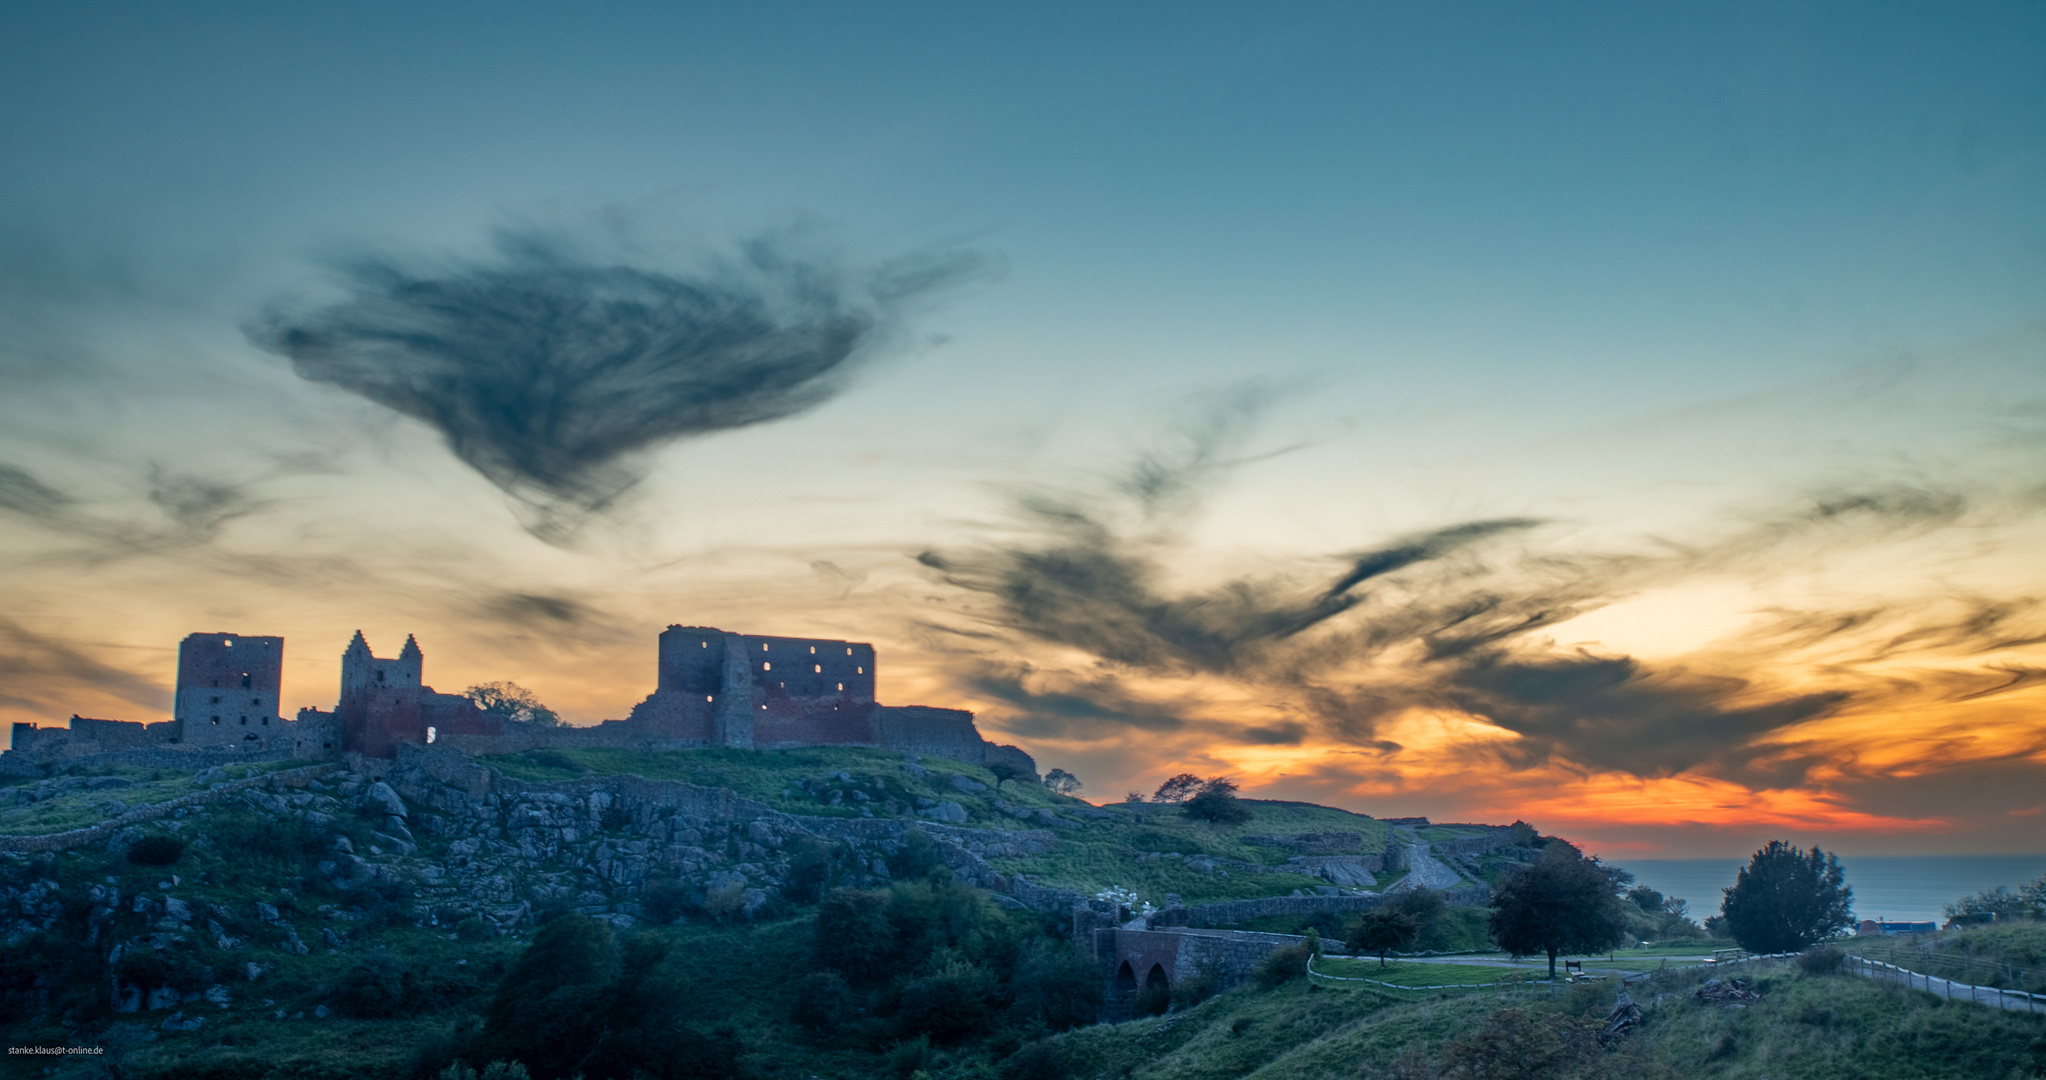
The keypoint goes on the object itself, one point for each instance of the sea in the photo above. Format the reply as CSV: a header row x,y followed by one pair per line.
x,y
1900,888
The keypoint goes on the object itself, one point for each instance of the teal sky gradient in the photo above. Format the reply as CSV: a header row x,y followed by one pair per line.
x,y
1652,274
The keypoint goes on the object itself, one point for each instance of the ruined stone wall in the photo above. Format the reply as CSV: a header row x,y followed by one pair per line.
x,y
919,729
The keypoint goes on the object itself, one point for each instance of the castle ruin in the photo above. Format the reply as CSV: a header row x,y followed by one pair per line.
x,y
711,688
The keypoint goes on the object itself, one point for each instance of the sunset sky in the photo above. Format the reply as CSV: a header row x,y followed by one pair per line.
x,y
1629,418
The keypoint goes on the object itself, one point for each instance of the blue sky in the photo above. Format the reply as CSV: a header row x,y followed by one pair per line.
x,y
1654,276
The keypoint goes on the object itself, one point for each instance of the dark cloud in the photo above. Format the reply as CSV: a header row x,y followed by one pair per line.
x,y
1617,713
21,493
1083,707
1284,734
531,608
547,371
197,507
1447,619
43,674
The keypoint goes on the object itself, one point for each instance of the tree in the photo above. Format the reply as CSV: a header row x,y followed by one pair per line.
x,y
1382,930
2027,902
1063,782
513,702
1646,899
1562,902
1178,789
1216,802
1786,900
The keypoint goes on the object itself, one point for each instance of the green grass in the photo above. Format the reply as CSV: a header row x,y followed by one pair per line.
x,y
1099,853
1411,973
79,809
1802,1029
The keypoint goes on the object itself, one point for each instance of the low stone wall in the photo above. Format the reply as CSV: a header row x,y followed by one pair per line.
x,y
17,763
95,833
1473,845
1227,912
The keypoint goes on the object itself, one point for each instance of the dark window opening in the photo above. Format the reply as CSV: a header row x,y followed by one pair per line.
x,y
245,680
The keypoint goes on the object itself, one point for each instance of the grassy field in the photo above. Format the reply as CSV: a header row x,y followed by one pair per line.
x,y
78,809
1413,973
1803,1028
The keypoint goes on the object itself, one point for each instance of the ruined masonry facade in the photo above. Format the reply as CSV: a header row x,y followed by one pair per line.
x,y
712,688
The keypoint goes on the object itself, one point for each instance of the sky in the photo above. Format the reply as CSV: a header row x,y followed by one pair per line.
x,y
1629,419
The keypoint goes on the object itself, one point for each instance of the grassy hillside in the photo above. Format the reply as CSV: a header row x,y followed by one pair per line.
x,y
1803,1028
385,972
1151,850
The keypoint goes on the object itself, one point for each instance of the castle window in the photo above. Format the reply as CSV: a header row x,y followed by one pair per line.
x,y
709,697
245,721
848,652
229,643
266,721
216,699
818,668
431,733
841,686
859,671
763,646
767,667
813,650
245,680
216,719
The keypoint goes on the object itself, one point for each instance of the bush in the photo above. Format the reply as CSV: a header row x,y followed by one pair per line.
x,y
1286,964
1041,1060
371,990
1193,989
663,902
1056,984
823,1001
1217,803
951,1002
1821,960
1152,1000
475,929
853,934
156,851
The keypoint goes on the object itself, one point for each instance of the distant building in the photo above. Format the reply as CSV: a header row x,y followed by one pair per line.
x,y
1883,928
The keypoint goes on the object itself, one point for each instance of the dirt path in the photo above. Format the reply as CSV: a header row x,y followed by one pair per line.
x,y
1424,871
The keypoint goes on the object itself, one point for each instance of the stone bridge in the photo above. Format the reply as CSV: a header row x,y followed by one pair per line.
x,y
1137,958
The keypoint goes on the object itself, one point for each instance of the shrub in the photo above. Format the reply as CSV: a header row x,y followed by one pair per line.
x,y
663,902
1041,1060
1216,802
1193,989
371,990
156,851
1152,1000
1284,965
1056,984
475,929
951,1002
823,1001
1821,960
853,934
726,903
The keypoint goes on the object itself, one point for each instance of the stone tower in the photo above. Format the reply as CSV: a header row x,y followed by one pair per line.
x,y
227,689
